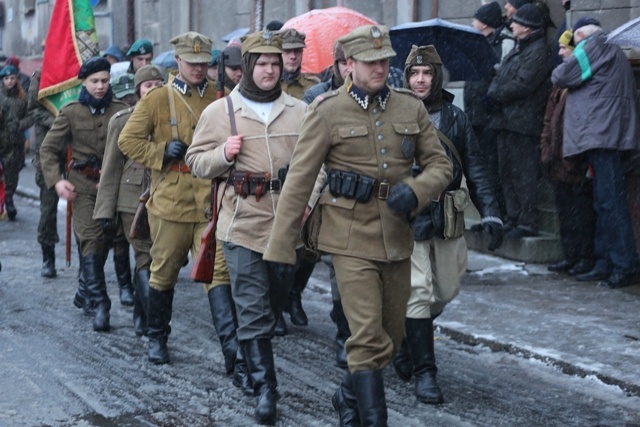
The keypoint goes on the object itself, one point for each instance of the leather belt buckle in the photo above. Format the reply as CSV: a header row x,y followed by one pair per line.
x,y
383,190
275,185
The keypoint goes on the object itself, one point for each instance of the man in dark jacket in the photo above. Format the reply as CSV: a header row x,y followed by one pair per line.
x,y
517,97
439,259
601,121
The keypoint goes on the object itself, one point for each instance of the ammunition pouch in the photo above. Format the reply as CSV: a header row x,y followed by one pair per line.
x,y
253,183
90,167
353,185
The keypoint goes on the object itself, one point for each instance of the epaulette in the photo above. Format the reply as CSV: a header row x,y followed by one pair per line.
x,y
123,112
405,91
321,98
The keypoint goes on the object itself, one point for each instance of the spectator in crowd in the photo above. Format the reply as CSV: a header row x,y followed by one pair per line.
x,y
601,122
232,66
82,126
439,258
15,122
512,6
258,151
113,54
25,80
516,99
365,228
140,54
572,188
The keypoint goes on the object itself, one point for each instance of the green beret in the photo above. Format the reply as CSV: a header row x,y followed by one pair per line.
x,y
214,57
368,43
8,70
262,42
140,47
193,47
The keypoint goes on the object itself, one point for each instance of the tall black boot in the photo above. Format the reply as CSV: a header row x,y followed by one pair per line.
x,y
241,378
97,300
140,297
294,303
402,362
280,328
259,355
421,347
11,207
223,313
48,261
123,274
159,306
81,293
344,402
368,387
342,334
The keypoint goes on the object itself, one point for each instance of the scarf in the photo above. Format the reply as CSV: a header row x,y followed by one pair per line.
x,y
289,78
248,87
97,105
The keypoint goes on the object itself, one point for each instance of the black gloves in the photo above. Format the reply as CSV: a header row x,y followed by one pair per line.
x,y
282,272
402,199
496,231
107,224
174,151
488,103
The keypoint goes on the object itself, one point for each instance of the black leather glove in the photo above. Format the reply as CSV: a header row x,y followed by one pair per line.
x,y
175,150
496,230
488,103
282,272
402,199
107,224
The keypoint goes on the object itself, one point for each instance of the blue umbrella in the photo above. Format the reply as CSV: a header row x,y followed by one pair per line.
x,y
235,34
464,51
166,60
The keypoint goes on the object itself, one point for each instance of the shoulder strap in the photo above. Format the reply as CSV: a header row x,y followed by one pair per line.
x,y
449,144
173,122
232,116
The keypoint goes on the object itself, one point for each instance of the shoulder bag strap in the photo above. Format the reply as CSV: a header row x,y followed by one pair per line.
x,y
449,144
173,122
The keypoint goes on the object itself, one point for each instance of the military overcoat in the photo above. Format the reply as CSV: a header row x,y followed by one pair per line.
x,y
299,86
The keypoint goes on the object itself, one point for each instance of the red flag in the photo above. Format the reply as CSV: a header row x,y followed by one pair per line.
x,y
71,40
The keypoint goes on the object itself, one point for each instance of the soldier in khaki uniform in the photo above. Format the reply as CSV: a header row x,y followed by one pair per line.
x,y
294,81
179,203
368,133
47,229
82,125
122,181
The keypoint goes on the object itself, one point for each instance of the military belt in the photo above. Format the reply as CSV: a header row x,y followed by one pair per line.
x,y
253,183
180,167
352,185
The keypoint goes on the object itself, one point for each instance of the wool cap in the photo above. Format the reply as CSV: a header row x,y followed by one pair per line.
x,y
140,47
114,51
233,55
262,42
529,15
422,55
123,85
583,22
8,70
292,39
193,47
93,65
519,3
566,39
274,25
368,43
146,73
490,14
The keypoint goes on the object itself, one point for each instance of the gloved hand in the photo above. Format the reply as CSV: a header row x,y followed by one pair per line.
x,y
175,150
496,230
281,271
488,103
402,199
107,224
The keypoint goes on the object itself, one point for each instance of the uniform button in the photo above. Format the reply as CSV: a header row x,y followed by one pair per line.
x,y
383,151
380,137
406,130
334,200
385,165
378,123
353,131
375,111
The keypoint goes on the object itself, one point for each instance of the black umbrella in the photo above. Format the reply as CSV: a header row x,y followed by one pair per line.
x,y
465,52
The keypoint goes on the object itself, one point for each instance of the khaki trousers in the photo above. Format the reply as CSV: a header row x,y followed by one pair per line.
x,y
374,298
437,267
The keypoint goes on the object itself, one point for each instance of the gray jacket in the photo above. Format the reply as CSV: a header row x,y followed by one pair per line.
x,y
600,110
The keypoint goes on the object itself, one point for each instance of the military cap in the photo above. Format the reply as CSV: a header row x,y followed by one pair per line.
x,y
93,65
233,55
140,47
8,70
123,85
423,55
262,42
193,47
114,51
292,39
146,73
368,43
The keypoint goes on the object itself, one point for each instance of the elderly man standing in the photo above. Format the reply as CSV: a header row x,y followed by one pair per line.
x,y
601,121
368,136
157,136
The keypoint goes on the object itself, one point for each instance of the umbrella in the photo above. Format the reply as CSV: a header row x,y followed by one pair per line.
x,y
235,34
627,35
166,60
322,28
464,51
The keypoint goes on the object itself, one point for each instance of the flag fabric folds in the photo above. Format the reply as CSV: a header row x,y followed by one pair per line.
x,y
71,40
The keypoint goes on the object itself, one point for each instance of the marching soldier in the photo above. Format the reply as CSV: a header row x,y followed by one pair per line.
x,y
122,181
157,136
294,81
140,54
82,125
368,136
